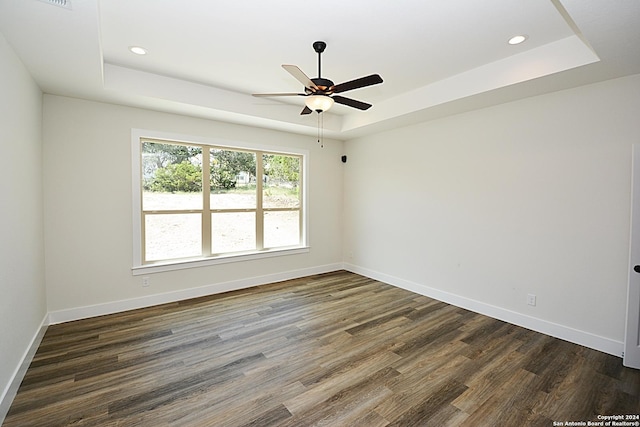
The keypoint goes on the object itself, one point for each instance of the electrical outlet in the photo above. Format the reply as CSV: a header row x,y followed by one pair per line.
x,y
145,282
531,299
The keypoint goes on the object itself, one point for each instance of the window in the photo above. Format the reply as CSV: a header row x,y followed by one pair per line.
x,y
202,201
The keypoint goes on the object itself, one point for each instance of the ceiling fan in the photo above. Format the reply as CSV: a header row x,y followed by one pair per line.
x,y
320,93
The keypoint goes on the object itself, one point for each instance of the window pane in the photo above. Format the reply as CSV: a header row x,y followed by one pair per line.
x,y
281,229
233,179
173,236
171,176
233,232
282,181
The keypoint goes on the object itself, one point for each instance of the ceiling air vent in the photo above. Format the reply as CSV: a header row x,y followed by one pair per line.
x,y
61,3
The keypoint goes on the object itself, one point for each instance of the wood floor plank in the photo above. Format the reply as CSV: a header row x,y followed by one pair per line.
x,y
510,402
334,349
339,377
423,411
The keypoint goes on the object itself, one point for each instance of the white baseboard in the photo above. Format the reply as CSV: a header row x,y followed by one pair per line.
x,y
566,333
78,313
549,328
10,391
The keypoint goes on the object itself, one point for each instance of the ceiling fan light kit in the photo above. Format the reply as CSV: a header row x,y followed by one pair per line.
x,y
319,103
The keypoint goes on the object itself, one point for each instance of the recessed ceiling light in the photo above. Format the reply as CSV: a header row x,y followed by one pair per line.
x,y
517,39
138,50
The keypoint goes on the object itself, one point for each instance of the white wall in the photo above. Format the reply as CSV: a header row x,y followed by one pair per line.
x,y
485,207
22,292
88,208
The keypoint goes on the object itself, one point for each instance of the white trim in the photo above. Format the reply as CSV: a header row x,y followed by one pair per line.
x,y
566,333
222,259
136,196
632,314
10,391
77,313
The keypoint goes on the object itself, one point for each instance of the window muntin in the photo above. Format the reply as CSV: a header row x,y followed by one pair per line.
x,y
253,201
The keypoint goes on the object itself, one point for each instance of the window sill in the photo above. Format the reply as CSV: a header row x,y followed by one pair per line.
x,y
221,259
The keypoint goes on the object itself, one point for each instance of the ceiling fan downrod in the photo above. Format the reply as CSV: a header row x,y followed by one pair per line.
x,y
319,47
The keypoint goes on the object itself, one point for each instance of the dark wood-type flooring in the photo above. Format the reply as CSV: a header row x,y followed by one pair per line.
x,y
336,349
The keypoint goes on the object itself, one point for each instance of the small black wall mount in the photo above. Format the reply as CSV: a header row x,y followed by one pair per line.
x,y
344,159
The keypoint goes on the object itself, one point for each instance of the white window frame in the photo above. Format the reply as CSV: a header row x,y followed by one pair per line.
x,y
139,268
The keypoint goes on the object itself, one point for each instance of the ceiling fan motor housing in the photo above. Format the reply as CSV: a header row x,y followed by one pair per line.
x,y
323,84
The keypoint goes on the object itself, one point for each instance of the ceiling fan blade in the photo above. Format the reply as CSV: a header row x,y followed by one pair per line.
x,y
306,110
373,79
300,76
351,102
263,95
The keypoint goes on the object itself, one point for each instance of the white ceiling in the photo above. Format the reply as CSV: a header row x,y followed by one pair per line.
x,y
206,57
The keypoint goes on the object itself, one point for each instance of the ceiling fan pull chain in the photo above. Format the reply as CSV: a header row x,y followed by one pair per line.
x,y
319,128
